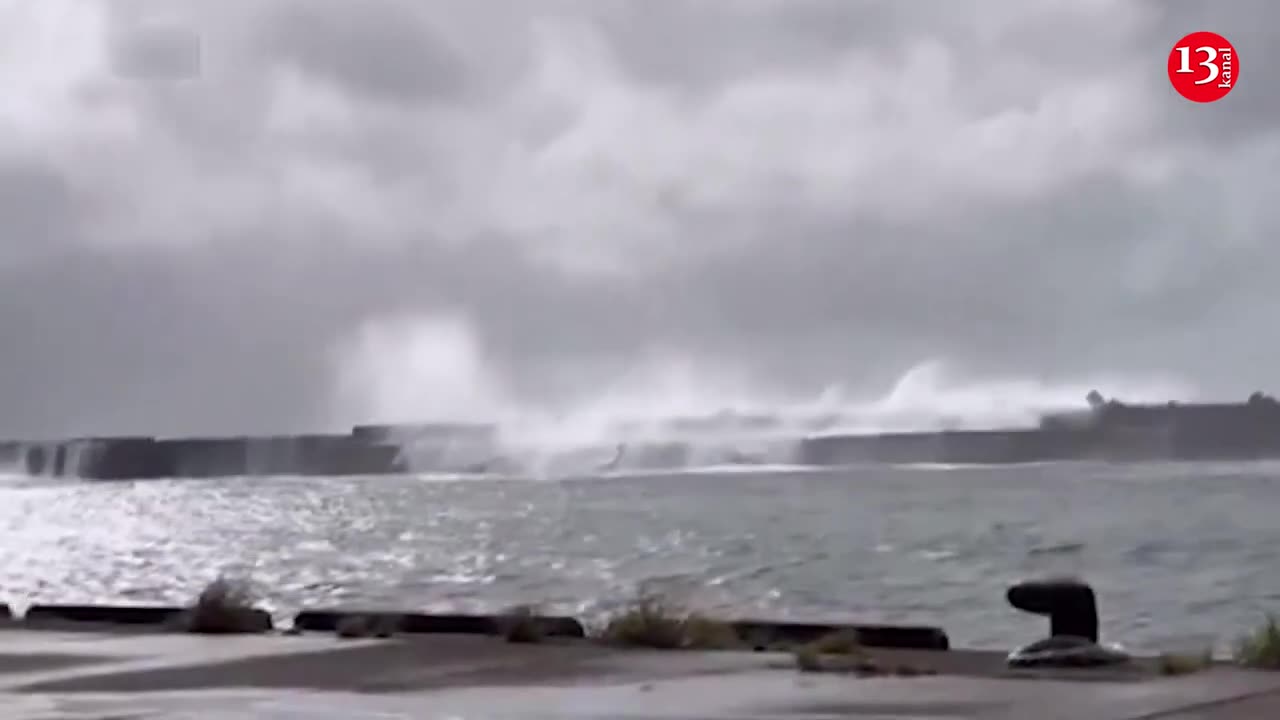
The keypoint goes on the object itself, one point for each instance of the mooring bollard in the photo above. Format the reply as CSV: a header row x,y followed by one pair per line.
x,y
1070,604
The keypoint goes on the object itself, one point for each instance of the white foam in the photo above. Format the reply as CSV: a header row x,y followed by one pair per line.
x,y
670,414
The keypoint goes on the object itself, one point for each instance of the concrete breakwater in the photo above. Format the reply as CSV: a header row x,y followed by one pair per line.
x,y
366,452
385,450
1106,431
992,447
142,458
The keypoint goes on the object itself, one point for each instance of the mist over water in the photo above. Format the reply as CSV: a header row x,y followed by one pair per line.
x,y
671,411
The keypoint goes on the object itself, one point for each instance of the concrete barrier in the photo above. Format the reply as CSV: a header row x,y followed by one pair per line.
x,y
153,615
1188,439
12,452
38,459
759,633
442,624
140,458
317,455
960,447
424,431
762,633
80,456
233,622
150,458
104,614
32,458
371,459
299,454
207,457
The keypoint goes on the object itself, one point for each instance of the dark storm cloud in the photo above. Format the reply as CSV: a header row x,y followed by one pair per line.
x,y
156,53
380,50
703,46
816,191
1113,299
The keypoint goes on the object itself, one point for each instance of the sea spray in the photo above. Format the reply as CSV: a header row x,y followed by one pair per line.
x,y
669,412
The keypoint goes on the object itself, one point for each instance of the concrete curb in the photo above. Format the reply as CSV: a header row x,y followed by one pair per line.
x,y
415,623
146,615
756,633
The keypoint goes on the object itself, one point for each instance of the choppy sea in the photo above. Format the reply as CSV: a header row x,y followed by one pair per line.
x,y
1181,554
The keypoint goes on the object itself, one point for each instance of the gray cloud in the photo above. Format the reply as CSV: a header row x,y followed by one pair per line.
x,y
810,192
37,204
379,51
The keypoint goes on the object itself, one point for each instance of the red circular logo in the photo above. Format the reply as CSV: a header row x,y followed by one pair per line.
x,y
1203,67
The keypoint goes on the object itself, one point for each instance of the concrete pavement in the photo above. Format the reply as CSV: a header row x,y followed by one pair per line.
x,y
54,675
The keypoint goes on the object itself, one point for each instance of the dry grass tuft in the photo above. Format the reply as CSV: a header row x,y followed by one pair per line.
x,y
1173,664
808,659
652,622
521,624
1261,648
838,652
843,642
225,607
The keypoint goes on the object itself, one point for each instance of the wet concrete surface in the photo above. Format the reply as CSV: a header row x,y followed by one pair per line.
x,y
32,662
81,675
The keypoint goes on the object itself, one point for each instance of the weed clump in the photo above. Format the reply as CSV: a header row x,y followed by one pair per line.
x,y
521,624
226,607
843,642
837,652
652,622
808,659
1173,664
1261,648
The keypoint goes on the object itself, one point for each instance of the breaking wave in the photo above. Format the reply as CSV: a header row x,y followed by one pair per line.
x,y
670,415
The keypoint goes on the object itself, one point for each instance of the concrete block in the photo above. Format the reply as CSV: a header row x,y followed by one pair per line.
x,y
452,624
104,614
763,633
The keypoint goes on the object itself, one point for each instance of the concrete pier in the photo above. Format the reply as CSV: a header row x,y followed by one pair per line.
x,y
47,674
78,661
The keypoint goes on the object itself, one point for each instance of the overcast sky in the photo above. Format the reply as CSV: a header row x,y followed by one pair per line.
x,y
351,209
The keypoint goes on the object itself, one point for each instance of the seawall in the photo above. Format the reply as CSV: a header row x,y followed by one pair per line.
x,y
954,447
1185,439
145,458
1111,432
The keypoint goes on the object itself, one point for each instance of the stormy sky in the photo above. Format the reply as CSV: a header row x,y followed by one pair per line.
x,y
342,210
